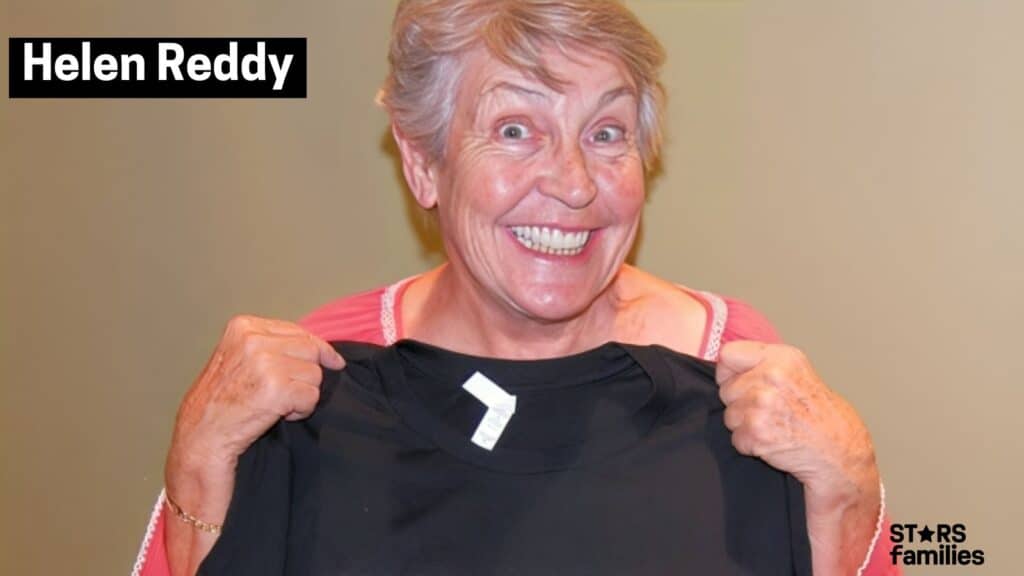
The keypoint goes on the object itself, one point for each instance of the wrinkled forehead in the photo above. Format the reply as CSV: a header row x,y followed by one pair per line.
x,y
587,75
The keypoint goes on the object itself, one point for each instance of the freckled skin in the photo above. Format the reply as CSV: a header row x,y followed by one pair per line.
x,y
522,153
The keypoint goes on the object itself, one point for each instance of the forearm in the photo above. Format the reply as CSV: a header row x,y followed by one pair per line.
x,y
186,547
205,496
842,532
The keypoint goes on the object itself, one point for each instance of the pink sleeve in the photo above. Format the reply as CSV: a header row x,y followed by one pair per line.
x,y
744,322
152,557
879,561
357,318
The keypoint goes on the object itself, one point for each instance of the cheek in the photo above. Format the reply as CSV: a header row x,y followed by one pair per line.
x,y
491,185
623,188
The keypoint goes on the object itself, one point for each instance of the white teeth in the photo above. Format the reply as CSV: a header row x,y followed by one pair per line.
x,y
558,239
551,240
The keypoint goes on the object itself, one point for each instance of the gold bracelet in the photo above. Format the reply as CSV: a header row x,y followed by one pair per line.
x,y
190,519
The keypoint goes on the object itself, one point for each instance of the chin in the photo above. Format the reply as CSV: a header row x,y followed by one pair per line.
x,y
554,303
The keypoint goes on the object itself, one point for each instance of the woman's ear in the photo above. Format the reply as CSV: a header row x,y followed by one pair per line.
x,y
420,172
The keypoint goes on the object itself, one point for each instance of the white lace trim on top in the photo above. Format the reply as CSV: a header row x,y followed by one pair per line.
x,y
140,559
719,316
388,311
878,531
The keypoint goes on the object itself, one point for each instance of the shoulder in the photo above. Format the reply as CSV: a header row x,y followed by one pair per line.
x,y
744,322
730,319
356,317
709,320
656,311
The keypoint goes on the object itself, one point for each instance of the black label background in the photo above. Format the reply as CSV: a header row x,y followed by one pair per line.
x,y
294,85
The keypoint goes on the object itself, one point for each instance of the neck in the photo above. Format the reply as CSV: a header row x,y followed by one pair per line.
x,y
451,310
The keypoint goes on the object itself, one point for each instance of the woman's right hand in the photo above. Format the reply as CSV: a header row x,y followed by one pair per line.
x,y
262,370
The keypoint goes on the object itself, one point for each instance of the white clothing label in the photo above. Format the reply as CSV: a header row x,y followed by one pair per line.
x,y
500,407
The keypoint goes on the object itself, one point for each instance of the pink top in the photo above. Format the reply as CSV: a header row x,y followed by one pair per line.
x,y
374,316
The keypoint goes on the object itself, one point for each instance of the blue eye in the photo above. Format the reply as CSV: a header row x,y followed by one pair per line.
x,y
514,131
609,134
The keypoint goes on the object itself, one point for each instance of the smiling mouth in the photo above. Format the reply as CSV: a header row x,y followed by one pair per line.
x,y
551,240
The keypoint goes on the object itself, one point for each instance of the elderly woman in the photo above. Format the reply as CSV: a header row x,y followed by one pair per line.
x,y
527,126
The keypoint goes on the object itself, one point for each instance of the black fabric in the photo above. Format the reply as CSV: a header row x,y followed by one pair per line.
x,y
616,461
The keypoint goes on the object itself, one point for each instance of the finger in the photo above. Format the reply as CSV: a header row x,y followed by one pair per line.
x,y
303,346
325,354
246,324
299,370
743,410
302,400
282,327
739,386
744,442
734,417
737,357
328,356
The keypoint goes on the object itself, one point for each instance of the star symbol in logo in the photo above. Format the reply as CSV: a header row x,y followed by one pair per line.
x,y
926,534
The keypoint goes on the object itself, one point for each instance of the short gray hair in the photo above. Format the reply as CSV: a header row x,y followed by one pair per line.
x,y
429,37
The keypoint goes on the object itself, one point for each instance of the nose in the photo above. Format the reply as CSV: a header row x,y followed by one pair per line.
x,y
569,179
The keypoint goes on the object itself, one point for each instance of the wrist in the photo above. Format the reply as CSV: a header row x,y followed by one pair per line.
x,y
201,486
839,493
192,520
844,529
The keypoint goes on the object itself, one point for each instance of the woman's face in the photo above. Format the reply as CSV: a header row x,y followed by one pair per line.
x,y
540,191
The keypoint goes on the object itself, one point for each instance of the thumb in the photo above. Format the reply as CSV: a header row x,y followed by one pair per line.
x,y
329,357
737,357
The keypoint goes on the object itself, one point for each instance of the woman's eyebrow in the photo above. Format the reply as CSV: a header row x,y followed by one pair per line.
x,y
614,94
495,89
505,86
509,86
610,95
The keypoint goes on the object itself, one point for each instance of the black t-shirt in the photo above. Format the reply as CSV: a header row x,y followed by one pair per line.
x,y
612,461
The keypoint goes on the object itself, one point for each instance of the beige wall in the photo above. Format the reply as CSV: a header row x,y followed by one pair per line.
x,y
852,168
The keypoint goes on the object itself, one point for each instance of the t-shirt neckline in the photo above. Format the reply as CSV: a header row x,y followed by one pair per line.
x,y
411,354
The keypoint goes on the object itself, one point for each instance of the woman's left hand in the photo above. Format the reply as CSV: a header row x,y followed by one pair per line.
x,y
779,410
